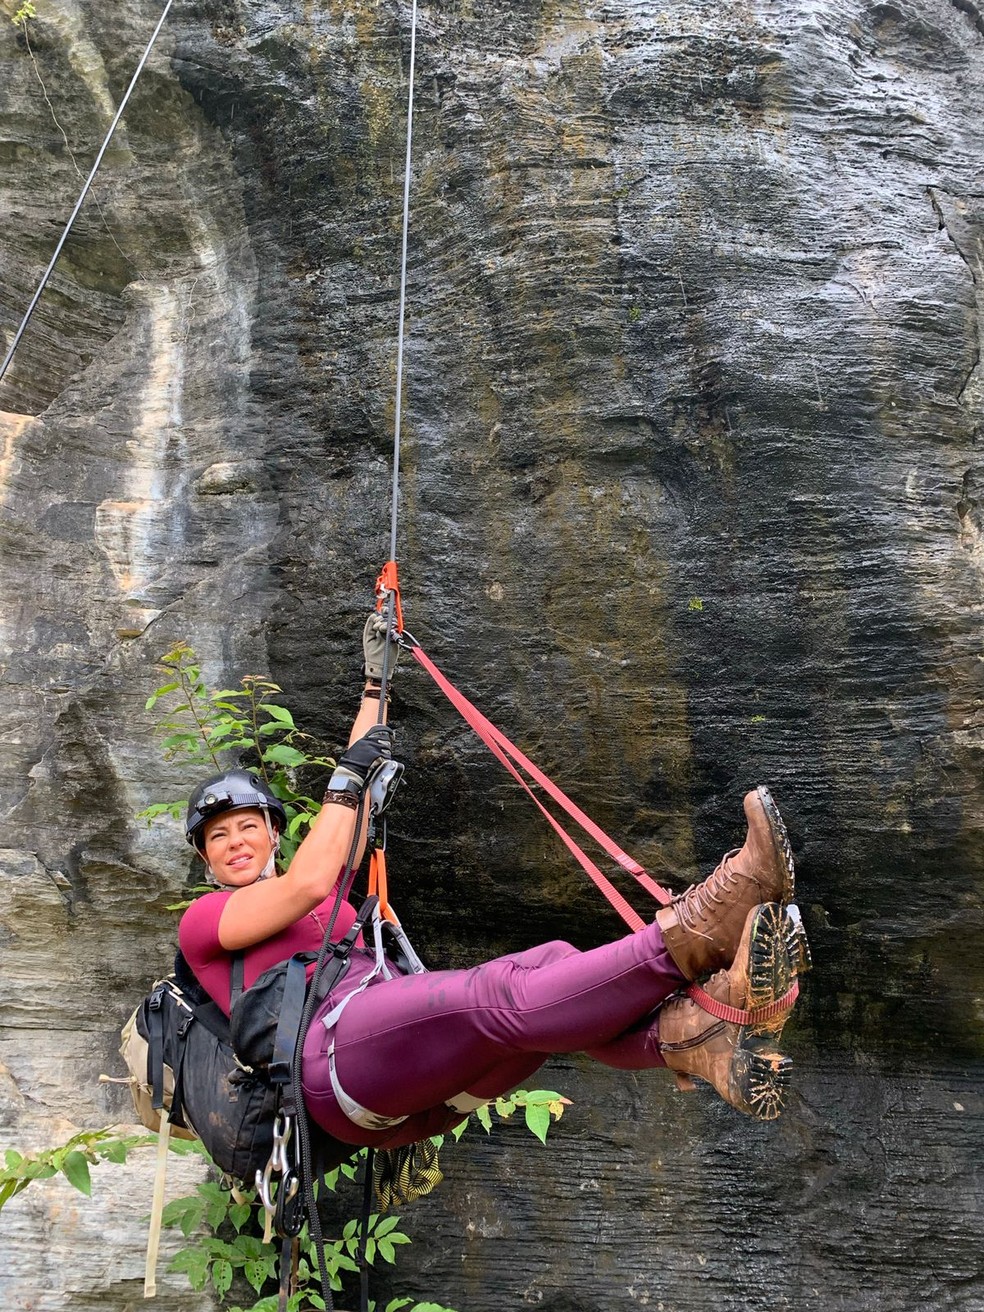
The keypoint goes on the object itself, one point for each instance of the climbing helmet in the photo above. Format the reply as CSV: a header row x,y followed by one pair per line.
x,y
231,791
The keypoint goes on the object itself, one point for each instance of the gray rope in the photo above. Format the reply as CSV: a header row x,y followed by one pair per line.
x,y
394,506
403,285
85,190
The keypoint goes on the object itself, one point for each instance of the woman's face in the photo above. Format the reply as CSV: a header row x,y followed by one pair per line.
x,y
237,846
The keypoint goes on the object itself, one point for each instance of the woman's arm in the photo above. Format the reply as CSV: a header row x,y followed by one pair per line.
x,y
265,908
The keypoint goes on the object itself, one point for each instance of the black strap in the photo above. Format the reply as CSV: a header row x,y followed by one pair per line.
x,y
288,1025
157,1003
236,975
176,1114
360,1259
332,964
155,1047
288,1261
211,1015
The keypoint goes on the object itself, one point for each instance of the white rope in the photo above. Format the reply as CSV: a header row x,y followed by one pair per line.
x,y
403,285
85,191
394,505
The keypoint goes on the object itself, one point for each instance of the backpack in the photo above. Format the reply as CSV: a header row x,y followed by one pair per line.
x,y
179,1052
184,1055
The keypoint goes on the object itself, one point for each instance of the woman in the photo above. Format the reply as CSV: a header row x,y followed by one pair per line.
x,y
390,1061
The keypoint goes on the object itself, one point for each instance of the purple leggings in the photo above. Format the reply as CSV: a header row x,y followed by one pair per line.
x,y
403,1046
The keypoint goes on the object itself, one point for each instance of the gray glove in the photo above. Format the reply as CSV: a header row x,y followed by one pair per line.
x,y
374,647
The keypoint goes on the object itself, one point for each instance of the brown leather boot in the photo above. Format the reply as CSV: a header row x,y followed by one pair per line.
x,y
741,1060
701,929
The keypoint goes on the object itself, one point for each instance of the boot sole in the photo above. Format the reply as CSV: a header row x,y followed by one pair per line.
x,y
780,839
797,943
760,1073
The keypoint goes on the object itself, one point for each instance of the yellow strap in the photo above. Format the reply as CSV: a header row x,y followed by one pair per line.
x,y
157,1208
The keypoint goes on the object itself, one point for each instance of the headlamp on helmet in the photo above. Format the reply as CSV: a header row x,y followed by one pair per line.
x,y
232,791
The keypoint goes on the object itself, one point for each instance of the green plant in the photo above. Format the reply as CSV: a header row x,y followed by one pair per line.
x,y
26,11
231,726
72,1160
231,1222
214,1259
539,1105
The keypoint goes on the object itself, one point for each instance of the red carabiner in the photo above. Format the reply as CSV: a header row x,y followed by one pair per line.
x,y
388,582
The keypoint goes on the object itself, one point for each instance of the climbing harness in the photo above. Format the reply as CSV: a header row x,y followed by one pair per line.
x,y
85,191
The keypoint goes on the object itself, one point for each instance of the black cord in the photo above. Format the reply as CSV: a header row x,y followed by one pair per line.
x,y
302,1124
363,1265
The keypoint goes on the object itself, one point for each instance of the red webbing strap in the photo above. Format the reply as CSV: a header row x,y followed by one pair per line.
x,y
601,881
736,1015
502,748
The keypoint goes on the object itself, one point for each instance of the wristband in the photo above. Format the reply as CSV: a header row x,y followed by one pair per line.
x,y
375,694
341,798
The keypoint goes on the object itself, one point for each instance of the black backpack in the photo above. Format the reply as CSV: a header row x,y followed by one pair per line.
x,y
179,1047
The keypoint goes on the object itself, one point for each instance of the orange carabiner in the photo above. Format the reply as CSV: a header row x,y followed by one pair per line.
x,y
388,582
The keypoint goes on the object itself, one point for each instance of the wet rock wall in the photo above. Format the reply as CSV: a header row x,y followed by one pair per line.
x,y
689,500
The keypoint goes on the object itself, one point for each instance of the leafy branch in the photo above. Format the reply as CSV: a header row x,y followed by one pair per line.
x,y
72,1160
214,1259
228,727
539,1106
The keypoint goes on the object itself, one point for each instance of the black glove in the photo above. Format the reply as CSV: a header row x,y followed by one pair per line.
x,y
357,761
365,752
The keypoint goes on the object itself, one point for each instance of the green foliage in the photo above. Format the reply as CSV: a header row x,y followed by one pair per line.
x,y
218,730
538,1105
26,11
233,1223
231,1246
72,1160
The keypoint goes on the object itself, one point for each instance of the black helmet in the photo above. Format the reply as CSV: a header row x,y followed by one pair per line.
x,y
229,792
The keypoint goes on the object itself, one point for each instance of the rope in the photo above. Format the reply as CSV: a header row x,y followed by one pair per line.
x,y
391,601
85,190
403,288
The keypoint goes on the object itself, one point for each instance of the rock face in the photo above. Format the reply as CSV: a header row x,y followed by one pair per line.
x,y
690,499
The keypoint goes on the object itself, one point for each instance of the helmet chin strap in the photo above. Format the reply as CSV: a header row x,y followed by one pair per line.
x,y
271,862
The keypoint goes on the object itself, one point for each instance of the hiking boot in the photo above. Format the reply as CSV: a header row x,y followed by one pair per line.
x,y
701,929
740,1059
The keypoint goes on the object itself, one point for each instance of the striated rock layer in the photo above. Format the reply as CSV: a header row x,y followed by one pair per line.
x,y
690,500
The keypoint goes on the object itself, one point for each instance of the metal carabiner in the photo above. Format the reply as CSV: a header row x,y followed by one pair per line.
x,y
263,1187
278,1161
282,1128
289,1218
